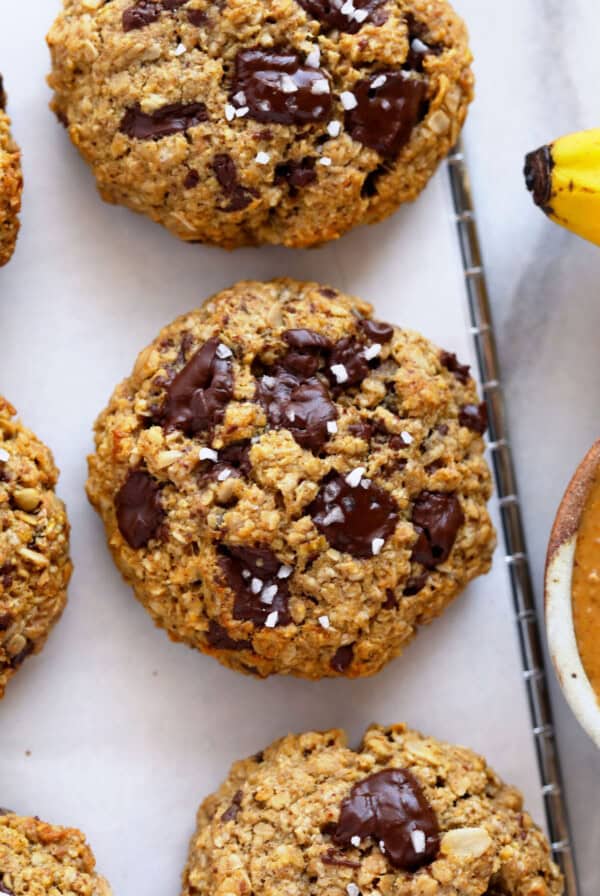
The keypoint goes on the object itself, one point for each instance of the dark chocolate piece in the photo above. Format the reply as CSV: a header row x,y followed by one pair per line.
x,y
175,118
144,12
390,807
219,637
296,173
260,588
388,106
354,518
196,399
376,330
232,812
225,170
277,86
474,417
437,517
342,658
138,508
329,12
462,372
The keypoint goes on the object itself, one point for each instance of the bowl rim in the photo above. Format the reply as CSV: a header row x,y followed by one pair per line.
x,y
560,628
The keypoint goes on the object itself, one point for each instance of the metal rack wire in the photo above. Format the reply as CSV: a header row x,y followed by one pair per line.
x,y
534,671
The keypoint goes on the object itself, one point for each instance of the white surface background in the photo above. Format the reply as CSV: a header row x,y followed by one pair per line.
x,y
126,731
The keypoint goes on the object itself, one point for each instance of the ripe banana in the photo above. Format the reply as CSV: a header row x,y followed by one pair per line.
x,y
564,178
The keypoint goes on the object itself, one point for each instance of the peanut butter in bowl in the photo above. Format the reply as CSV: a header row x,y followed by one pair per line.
x,y
572,593
585,588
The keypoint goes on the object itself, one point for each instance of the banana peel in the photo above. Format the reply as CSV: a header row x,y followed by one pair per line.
x,y
564,179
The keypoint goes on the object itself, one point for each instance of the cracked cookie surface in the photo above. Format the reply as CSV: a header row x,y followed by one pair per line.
x,y
11,184
404,814
292,486
34,545
40,859
242,122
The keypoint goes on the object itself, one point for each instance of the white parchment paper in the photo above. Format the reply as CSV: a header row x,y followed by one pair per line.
x,y
113,728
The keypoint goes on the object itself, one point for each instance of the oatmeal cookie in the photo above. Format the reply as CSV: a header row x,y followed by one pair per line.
x,y
292,486
34,545
39,859
11,184
404,814
243,122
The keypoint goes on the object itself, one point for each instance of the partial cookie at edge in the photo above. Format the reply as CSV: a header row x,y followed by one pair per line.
x,y
34,545
403,814
37,857
11,184
241,123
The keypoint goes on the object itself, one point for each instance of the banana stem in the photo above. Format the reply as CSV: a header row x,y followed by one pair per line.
x,y
538,175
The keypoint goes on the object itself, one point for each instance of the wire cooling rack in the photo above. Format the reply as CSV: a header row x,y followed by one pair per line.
x,y
532,655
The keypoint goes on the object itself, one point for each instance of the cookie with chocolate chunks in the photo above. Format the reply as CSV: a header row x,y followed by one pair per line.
x,y
402,813
11,184
288,483
34,545
44,859
242,122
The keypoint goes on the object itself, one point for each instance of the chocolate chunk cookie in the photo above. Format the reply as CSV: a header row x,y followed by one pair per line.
x,y
11,184
242,122
39,859
34,545
286,482
403,814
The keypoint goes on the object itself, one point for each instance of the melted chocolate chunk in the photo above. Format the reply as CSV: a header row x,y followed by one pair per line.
x,y
333,857
219,637
5,621
307,341
376,330
173,119
362,430
385,116
437,517
330,13
277,87
196,399
418,48
234,460
144,12
348,354
351,518
225,170
232,812
303,407
369,187
192,179
306,349
462,372
342,658
296,173
139,510
253,574
390,807
415,584
197,17
391,602
293,397
475,417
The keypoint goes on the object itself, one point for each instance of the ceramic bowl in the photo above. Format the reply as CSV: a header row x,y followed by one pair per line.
x,y
559,615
